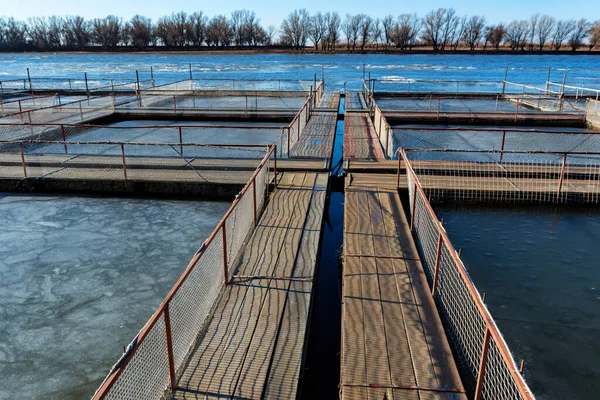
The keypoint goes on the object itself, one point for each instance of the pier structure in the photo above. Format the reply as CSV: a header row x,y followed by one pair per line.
x,y
235,324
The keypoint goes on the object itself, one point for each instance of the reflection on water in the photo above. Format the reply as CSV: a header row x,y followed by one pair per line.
x,y
539,268
79,277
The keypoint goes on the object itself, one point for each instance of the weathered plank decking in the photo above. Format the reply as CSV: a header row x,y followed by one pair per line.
x,y
254,345
360,138
393,343
317,137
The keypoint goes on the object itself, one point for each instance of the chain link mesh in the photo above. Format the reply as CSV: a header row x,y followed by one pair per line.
x,y
459,305
146,374
592,113
507,176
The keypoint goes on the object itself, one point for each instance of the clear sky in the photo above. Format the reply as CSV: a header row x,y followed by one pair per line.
x,y
273,11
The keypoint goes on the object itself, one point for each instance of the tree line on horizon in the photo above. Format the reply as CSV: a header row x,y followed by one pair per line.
x,y
441,30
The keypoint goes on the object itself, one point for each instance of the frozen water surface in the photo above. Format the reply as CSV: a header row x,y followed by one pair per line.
x,y
79,278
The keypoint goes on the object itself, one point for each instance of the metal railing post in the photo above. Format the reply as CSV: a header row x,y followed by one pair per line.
x,y
62,130
398,172
168,333
562,173
412,213
517,111
23,159
436,270
502,146
254,200
225,277
174,104
124,162
275,168
482,363
181,141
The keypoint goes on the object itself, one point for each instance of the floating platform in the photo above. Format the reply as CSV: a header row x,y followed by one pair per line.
x,y
393,342
254,345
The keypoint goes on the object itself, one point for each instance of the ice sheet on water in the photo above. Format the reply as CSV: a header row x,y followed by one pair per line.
x,y
80,276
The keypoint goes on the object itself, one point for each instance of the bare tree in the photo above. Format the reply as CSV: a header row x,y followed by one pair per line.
x,y
352,29
106,32
561,32
533,21
219,32
377,32
270,34
545,26
495,35
196,29
295,29
579,33
516,34
387,25
439,27
141,31
318,28
406,30
76,33
457,33
365,30
594,34
334,22
474,31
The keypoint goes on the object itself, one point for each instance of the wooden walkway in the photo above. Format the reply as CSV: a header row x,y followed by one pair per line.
x,y
393,343
360,138
329,101
254,345
355,101
317,138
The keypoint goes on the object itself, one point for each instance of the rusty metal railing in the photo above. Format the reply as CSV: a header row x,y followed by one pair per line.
x,y
151,364
485,362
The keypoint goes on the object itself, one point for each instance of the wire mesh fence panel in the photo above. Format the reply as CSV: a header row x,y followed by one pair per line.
x,y
157,356
146,374
191,304
409,85
592,113
239,225
498,382
462,320
509,176
467,323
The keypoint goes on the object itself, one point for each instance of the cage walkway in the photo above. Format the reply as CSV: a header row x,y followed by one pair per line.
x,y
254,345
360,138
393,342
355,101
317,138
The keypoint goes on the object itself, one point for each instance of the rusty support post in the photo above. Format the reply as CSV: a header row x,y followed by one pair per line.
x,y
124,162
412,213
225,278
274,168
174,103
502,146
562,173
298,134
80,111
20,107
152,75
482,363
62,130
87,89
246,104
398,172
522,367
504,80
439,107
436,271
181,141
288,141
191,77
254,200
387,139
172,379
23,159
517,111
29,79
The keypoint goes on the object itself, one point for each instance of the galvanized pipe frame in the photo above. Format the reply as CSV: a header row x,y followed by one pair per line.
x,y
492,330
163,309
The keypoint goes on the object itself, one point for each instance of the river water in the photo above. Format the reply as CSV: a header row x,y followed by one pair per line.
x,y
393,71
539,269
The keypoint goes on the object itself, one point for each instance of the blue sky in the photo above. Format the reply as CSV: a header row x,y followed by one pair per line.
x,y
273,11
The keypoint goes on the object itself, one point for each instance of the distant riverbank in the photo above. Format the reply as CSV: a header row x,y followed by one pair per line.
x,y
310,50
